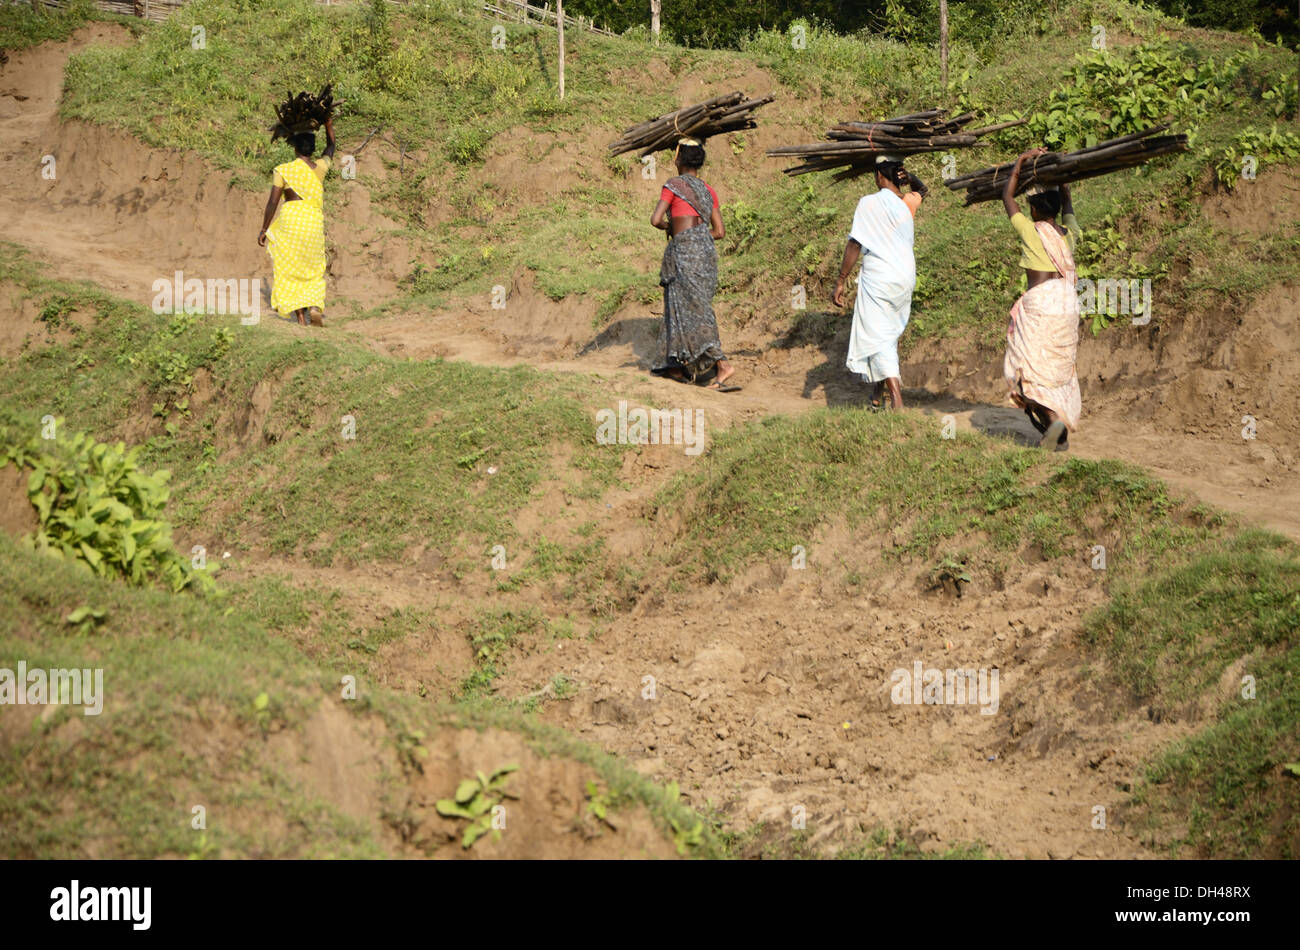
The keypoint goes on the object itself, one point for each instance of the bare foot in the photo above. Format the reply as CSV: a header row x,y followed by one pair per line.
x,y
725,372
895,387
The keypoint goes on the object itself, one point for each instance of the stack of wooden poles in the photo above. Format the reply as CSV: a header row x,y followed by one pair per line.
x,y
730,113
1058,168
855,146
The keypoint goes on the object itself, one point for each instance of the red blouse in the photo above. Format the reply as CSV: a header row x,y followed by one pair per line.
x,y
681,209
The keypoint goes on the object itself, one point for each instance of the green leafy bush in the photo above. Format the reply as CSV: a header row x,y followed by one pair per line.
x,y
95,506
1110,94
1251,151
475,800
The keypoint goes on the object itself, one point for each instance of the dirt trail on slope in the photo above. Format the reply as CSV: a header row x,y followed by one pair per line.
x,y
123,215
752,702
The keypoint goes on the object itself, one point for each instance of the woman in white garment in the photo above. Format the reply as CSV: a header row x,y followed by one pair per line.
x,y
882,237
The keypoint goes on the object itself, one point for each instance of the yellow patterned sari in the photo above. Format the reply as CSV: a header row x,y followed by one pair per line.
x,y
296,239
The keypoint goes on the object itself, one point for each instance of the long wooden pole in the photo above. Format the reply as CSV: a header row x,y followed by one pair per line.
x,y
559,21
656,8
943,43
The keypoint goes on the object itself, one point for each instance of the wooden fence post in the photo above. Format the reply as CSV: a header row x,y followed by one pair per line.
x,y
559,22
943,43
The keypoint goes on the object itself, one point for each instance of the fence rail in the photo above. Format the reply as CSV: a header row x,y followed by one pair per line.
x,y
543,15
156,10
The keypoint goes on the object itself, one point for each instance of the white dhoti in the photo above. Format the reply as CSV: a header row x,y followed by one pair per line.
x,y
879,318
882,226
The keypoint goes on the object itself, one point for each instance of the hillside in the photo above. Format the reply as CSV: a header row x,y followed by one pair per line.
x,y
372,556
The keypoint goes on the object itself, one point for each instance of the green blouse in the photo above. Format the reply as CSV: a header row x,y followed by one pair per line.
x,y
1032,254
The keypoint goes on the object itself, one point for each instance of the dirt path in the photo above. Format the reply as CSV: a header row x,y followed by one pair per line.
x,y
1192,440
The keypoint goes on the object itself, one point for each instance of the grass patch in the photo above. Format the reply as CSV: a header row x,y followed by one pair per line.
x,y
358,456
775,484
191,694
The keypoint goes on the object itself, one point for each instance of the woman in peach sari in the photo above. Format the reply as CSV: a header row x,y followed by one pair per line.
x,y
1043,335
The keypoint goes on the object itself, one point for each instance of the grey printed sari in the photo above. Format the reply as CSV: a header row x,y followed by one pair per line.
x,y
689,277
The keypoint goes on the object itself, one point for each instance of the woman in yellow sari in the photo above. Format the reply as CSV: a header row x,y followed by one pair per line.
x,y
296,240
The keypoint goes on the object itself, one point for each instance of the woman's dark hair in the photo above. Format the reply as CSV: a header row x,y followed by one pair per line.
x,y
691,156
1047,204
893,171
304,143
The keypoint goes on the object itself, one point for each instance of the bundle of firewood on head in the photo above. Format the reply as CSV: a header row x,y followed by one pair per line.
x,y
729,113
1056,168
303,113
855,146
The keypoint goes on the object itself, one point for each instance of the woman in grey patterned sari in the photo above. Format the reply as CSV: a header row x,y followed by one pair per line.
x,y
688,211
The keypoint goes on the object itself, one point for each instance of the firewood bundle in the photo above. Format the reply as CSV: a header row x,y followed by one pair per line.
x,y
1056,168
303,113
729,113
854,146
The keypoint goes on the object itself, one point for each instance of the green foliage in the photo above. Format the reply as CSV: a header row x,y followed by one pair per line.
x,y
475,800
883,71
22,27
1109,94
55,311
600,803
562,687
976,22
687,828
95,506
170,361
465,146
85,618
1283,97
951,570
1251,151
1173,633
491,637
744,223
377,44
1274,20
411,749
